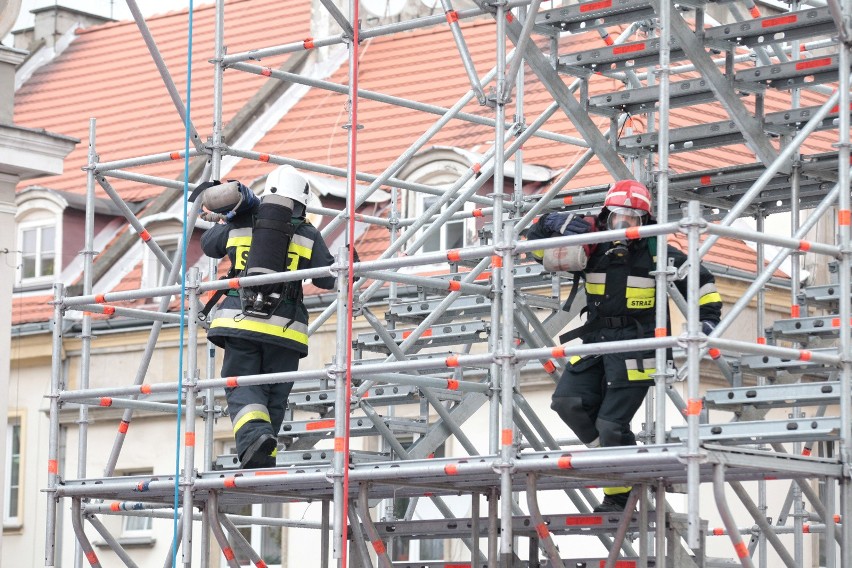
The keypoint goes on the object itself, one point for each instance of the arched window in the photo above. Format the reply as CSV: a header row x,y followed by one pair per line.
x,y
39,238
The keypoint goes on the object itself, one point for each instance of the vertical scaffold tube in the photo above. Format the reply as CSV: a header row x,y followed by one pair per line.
x,y
191,391
341,412
218,72
727,519
86,332
503,297
843,220
693,361
56,384
661,276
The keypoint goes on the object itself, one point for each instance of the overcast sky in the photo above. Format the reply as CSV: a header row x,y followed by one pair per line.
x,y
115,9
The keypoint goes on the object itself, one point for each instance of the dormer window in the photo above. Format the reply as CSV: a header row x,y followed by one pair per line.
x,y
39,238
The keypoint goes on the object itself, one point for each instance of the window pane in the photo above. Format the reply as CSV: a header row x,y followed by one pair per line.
x,y
455,235
48,239
13,471
431,549
137,524
46,266
28,241
28,267
432,242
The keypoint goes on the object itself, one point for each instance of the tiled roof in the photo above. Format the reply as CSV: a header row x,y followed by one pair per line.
x,y
107,73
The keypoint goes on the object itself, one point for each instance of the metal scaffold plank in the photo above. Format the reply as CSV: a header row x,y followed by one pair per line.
x,y
798,429
774,396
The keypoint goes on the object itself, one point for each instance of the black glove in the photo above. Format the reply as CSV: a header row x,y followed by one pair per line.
x,y
354,254
566,224
707,327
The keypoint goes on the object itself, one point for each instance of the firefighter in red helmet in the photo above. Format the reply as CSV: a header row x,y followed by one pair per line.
x,y
598,394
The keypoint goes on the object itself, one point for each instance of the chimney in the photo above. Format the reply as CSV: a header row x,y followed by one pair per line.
x,y
51,22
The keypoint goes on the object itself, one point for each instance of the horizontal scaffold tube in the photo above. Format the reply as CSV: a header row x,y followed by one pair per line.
x,y
773,350
776,240
167,512
144,160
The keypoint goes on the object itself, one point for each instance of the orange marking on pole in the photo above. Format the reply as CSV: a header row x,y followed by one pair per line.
x,y
92,557
835,322
452,361
718,532
476,167
145,389
660,332
267,71
106,401
175,155
228,553
338,444
109,310
308,43
632,233
477,213
506,436
145,235
755,12
451,469
564,462
452,16
452,384
761,341
234,283
52,466
457,566
694,406
805,355
806,528
542,531
232,382
496,261
509,17
115,506
549,366
270,472
99,299
714,353
628,48
804,246
320,425
230,482
608,39
453,255
379,546
592,6
189,439
558,351
567,201
813,63
705,180
771,22
795,311
806,452
584,520
123,426
742,549
263,157
261,564
836,518
844,217
454,286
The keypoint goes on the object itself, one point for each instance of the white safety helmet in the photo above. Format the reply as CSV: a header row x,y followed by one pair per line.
x,y
288,182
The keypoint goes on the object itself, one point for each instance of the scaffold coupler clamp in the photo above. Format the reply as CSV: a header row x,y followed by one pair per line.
x,y
842,21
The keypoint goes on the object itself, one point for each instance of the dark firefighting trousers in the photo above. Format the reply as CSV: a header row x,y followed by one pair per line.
x,y
256,409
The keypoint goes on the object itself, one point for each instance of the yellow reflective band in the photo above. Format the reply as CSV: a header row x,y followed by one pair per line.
x,y
261,327
249,416
239,241
302,251
640,375
595,289
539,254
639,292
640,303
616,490
575,359
274,452
710,298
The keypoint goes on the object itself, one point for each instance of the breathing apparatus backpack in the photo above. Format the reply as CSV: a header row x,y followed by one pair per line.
x,y
272,231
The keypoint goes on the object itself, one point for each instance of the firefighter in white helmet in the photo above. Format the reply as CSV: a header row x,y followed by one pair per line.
x,y
598,395
256,342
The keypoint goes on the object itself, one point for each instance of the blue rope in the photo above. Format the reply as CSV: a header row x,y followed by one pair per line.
x,y
182,288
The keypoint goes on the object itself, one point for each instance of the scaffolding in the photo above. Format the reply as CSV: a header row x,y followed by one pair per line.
x,y
491,294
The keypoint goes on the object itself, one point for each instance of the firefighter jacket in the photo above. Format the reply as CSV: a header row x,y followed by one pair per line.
x,y
621,296
288,326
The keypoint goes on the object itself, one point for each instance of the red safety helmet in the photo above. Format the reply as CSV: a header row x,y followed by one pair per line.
x,y
628,193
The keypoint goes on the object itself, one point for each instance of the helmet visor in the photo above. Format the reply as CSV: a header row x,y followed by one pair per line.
x,y
624,218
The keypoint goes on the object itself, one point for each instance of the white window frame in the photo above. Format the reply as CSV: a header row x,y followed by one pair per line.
x,y
39,208
39,225
152,269
127,533
13,522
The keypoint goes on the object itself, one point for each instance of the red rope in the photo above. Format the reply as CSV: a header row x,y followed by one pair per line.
x,y
353,125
